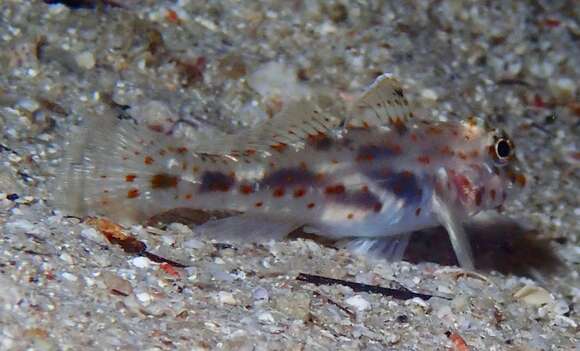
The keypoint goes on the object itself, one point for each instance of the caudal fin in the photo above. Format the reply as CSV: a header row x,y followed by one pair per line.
x,y
108,169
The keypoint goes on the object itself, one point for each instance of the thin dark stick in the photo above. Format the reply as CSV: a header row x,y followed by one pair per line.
x,y
402,294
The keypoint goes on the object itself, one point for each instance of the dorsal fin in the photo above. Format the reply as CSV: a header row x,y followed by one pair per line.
x,y
290,128
383,104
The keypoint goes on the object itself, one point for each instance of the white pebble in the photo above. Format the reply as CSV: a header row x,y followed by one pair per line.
x,y
67,258
429,94
69,277
86,60
266,317
563,89
260,295
144,297
141,262
227,298
358,302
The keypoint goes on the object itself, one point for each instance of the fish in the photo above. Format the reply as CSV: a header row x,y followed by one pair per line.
x,y
370,178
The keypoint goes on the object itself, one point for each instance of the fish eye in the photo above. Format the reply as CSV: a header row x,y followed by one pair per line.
x,y
503,149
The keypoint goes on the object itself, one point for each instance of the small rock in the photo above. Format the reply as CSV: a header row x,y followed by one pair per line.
x,y
358,302
563,89
144,297
70,277
141,262
266,317
86,60
260,295
227,298
534,295
117,284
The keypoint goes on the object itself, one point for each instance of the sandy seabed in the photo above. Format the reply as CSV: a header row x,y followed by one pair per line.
x,y
221,66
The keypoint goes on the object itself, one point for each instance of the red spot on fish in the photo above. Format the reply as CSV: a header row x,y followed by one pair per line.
x,y
246,189
133,193
280,147
377,207
492,194
418,211
462,155
303,165
365,125
365,189
474,154
424,159
181,150
278,192
164,181
188,197
249,152
299,192
365,157
258,204
446,150
130,177
149,160
334,189
413,137
434,130
310,205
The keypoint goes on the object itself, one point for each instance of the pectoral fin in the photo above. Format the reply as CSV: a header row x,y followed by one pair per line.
x,y
457,235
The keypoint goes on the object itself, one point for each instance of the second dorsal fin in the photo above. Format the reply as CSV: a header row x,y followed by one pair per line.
x,y
383,104
292,127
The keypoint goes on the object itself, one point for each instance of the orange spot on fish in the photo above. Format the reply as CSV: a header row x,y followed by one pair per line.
x,y
462,155
365,189
278,192
299,192
310,205
280,147
188,197
164,181
246,189
418,211
446,150
258,204
334,189
149,160
130,177
133,193
424,159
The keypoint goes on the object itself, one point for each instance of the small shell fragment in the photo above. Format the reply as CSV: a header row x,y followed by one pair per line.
x,y
534,295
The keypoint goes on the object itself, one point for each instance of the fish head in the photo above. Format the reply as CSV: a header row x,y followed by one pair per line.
x,y
490,175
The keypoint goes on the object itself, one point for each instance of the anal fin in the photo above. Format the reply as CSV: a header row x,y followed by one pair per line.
x,y
247,228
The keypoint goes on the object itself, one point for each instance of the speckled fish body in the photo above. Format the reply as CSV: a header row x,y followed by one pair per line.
x,y
372,176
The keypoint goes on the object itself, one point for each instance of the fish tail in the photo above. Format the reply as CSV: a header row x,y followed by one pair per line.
x,y
111,167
